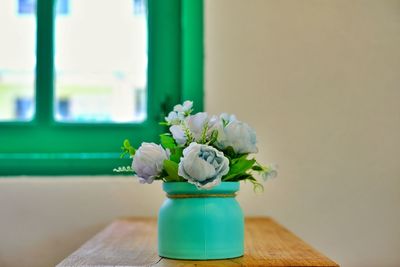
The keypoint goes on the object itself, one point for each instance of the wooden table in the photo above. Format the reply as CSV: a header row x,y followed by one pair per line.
x,y
133,242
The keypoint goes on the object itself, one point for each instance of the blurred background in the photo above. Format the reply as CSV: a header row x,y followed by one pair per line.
x,y
318,80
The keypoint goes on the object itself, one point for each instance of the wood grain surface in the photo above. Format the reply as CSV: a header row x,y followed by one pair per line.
x,y
133,242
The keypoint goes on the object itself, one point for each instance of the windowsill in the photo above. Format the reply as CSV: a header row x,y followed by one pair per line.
x,y
12,164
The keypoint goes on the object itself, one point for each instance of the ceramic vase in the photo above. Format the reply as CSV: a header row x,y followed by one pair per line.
x,y
200,224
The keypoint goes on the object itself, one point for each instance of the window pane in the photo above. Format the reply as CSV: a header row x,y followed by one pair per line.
x,y
17,59
101,61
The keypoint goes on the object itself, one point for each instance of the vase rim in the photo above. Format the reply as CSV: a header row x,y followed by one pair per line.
x,y
188,188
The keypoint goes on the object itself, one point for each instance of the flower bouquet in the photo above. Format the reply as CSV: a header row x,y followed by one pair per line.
x,y
201,161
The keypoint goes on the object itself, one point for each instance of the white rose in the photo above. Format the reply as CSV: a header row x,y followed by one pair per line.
x,y
185,108
227,118
203,165
148,161
194,124
178,134
239,135
174,118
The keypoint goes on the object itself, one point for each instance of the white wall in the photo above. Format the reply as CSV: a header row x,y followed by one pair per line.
x,y
319,81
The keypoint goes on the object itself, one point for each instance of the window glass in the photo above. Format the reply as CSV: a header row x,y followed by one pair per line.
x,y
101,61
17,59
28,7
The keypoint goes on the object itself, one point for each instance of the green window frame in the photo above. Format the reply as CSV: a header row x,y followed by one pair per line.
x,y
175,73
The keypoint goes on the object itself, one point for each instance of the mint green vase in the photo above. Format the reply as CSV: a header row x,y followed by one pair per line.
x,y
200,224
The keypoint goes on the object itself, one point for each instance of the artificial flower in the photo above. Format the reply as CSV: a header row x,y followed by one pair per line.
x,y
148,161
203,165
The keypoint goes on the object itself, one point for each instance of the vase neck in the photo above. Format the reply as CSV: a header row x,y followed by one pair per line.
x,y
185,188
201,195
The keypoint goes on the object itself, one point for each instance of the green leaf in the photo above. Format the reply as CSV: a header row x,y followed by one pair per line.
x,y
126,143
239,166
257,168
213,138
204,134
240,177
176,154
160,177
171,168
225,122
229,152
257,187
123,154
127,149
167,141
131,151
239,158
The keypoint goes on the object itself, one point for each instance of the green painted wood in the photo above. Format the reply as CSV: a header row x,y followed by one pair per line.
x,y
44,62
60,163
193,52
166,87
